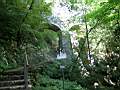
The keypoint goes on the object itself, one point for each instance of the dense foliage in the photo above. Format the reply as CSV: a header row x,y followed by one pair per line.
x,y
23,27
46,83
101,36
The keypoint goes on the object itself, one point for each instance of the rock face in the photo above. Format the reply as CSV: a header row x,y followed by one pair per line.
x,y
65,52
63,45
67,47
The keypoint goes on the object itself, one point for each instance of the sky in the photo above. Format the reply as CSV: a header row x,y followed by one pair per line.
x,y
61,11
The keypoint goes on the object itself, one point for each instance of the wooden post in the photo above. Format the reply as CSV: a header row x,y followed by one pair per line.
x,y
63,77
26,71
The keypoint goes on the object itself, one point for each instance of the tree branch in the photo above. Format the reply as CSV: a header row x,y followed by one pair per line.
x,y
19,41
93,26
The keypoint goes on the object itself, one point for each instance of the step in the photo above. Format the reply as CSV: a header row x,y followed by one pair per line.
x,y
17,87
12,73
13,82
11,77
16,71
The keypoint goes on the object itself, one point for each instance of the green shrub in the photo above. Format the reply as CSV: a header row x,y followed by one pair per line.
x,y
46,83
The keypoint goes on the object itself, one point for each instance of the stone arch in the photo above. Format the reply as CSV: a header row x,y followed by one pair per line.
x,y
79,30
54,27
74,27
57,29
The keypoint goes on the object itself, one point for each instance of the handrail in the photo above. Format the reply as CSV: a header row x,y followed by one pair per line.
x,y
26,71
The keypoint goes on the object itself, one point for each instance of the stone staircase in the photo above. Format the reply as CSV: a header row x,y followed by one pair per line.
x,y
13,80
